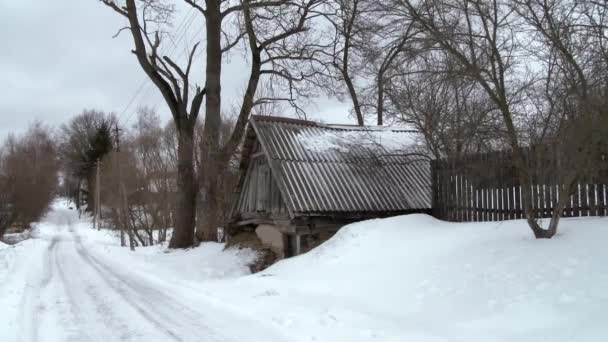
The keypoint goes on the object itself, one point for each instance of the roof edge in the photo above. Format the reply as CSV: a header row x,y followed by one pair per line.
x,y
270,118
284,119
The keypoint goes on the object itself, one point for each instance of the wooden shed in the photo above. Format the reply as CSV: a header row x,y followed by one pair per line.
x,y
300,181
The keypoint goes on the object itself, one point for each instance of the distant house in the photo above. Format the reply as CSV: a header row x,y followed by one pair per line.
x,y
300,181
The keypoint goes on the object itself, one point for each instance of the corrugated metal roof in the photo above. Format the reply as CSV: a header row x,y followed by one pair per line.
x,y
329,168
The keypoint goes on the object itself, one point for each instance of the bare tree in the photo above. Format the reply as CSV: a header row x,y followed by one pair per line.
x,y
341,56
509,49
273,32
145,23
481,36
81,142
569,37
452,112
29,176
390,42
6,209
151,209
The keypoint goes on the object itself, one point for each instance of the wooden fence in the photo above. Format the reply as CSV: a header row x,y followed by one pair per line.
x,y
485,187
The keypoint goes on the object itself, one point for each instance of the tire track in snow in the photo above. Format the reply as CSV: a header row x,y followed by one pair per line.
x,y
48,269
89,299
165,322
32,307
127,296
178,321
170,314
74,313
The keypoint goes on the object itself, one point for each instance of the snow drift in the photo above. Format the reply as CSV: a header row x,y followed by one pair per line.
x,y
417,278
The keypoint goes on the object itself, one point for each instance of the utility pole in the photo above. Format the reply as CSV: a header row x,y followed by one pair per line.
x,y
118,202
123,195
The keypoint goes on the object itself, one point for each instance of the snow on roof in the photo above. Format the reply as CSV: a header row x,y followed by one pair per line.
x,y
328,168
388,141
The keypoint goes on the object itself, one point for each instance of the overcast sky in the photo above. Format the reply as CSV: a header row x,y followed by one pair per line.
x,y
58,57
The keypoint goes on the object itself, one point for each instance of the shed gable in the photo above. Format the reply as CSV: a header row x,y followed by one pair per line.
x,y
259,195
300,168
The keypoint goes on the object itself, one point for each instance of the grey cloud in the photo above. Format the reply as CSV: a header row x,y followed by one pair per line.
x,y
58,57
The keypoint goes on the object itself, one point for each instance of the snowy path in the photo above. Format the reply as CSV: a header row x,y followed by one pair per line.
x,y
73,294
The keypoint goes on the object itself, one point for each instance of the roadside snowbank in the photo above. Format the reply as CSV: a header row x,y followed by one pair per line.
x,y
417,278
6,256
13,257
209,261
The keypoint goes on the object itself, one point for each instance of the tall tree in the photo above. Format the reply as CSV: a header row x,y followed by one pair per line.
x,y
82,142
341,57
508,48
455,116
6,212
274,32
569,37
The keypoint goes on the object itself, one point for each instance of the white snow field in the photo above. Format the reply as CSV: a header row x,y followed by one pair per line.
x,y
407,278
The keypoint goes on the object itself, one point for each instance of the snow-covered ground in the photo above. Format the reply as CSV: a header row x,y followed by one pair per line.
x,y
408,278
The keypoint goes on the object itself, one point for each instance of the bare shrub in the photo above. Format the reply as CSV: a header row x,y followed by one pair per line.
x,y
28,177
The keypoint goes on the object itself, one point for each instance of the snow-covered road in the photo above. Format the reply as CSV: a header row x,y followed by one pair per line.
x,y
73,294
407,278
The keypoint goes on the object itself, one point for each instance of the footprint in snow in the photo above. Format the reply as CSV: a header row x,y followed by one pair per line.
x,y
267,293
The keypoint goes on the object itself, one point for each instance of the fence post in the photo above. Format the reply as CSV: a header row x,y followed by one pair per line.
x,y
435,190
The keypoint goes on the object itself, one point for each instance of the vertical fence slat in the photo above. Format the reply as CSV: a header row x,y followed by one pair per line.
x,y
534,198
472,202
466,198
496,204
478,196
591,198
545,193
576,202
460,198
601,200
511,195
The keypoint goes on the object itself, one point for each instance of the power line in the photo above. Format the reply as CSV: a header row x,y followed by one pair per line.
x,y
176,44
189,17
145,83
184,53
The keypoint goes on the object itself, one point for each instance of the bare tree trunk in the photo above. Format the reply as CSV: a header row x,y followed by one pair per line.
x,y
355,99
380,104
522,169
209,222
183,232
116,217
213,121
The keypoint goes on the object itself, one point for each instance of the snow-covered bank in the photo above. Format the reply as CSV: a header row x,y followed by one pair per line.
x,y
416,278
207,262
13,238
408,278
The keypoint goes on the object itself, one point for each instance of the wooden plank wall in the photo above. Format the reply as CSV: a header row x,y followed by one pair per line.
x,y
484,187
260,193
